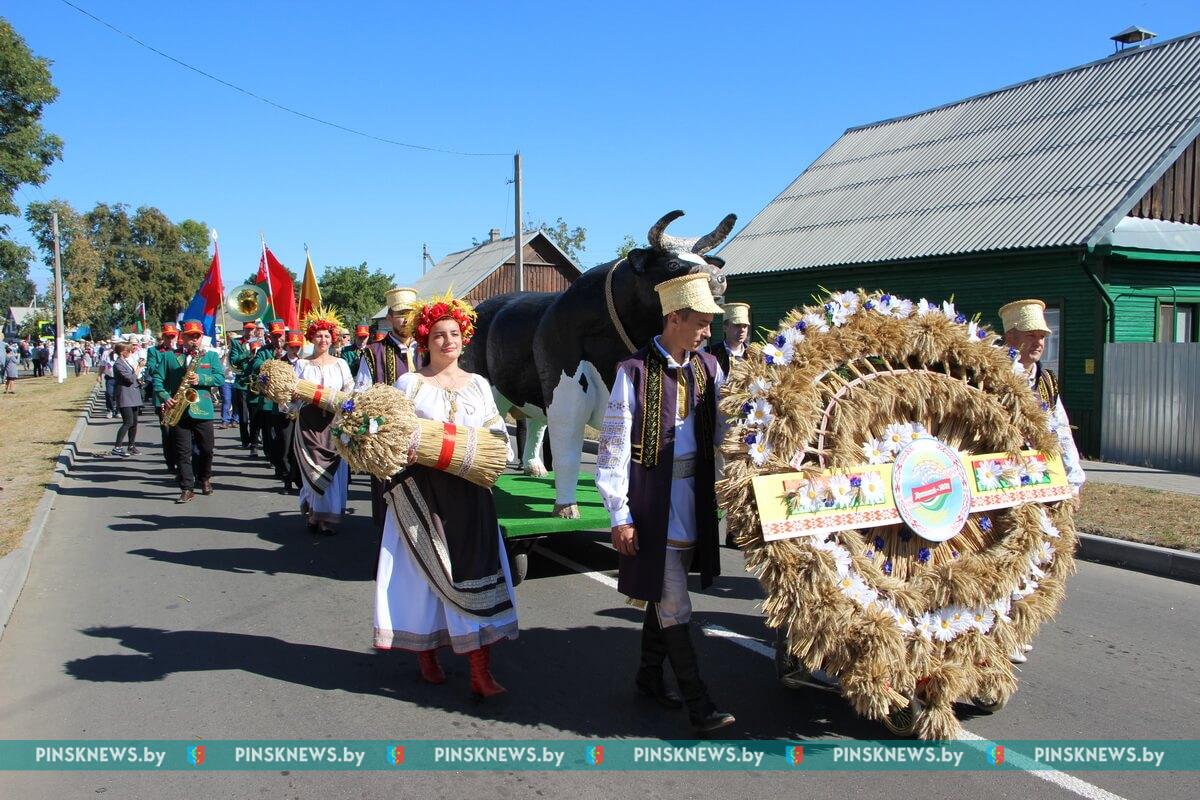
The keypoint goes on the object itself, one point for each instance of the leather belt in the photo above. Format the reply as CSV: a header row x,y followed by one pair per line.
x,y
683,468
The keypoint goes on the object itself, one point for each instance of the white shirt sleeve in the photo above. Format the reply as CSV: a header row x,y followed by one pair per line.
x,y
613,455
1066,442
365,378
491,414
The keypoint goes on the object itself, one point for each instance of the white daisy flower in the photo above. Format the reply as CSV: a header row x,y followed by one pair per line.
x,y
760,451
760,413
860,592
986,478
759,387
1001,608
925,625
373,426
875,453
902,309
838,315
814,495
816,322
972,332
982,619
1047,527
948,310
841,561
917,431
792,336
1010,472
1035,468
841,491
848,301
872,489
1045,553
895,436
924,307
943,627
1034,570
903,622
960,619
778,356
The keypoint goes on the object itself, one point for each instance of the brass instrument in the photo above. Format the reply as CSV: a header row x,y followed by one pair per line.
x,y
186,394
246,303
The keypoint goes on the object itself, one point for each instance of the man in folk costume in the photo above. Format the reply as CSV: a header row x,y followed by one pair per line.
x,y
1025,330
658,442
168,334
241,352
352,353
289,470
731,350
195,428
385,361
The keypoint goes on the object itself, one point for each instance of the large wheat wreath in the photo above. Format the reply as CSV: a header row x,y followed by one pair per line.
x,y
901,622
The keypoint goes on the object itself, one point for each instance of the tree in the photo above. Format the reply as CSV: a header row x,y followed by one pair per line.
x,y
626,246
15,287
356,292
569,240
26,150
85,298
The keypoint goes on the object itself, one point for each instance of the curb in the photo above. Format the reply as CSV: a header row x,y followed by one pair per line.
x,y
14,567
1148,558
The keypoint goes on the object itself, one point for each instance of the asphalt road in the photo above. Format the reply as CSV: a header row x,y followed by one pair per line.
x,y
225,619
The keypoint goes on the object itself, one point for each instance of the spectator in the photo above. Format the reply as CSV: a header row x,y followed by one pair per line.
x,y
129,400
39,360
89,358
12,366
26,354
75,357
107,362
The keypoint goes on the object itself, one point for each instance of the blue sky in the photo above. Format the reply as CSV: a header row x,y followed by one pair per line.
x,y
622,110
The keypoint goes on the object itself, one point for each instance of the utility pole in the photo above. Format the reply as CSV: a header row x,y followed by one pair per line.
x,y
60,357
518,264
425,259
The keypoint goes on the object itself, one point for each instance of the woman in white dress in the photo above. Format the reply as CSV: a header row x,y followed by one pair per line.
x,y
324,474
443,579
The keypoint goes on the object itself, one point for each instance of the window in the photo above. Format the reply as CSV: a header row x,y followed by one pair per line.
x,y
1177,322
1052,358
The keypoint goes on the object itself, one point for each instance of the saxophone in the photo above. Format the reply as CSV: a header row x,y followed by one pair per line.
x,y
186,394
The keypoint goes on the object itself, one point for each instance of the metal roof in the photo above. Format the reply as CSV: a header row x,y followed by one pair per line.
x,y
1053,161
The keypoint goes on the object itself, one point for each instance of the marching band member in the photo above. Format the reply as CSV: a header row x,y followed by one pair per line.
x,y
352,353
658,442
195,429
261,408
168,334
443,577
241,352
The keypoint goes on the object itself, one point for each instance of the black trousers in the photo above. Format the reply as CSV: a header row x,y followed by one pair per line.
x,y
260,424
189,432
285,435
129,420
241,406
168,446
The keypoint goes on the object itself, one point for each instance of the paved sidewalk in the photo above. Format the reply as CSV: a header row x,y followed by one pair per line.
x,y
1147,477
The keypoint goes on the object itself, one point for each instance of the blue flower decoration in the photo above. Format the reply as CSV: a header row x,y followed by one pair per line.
x,y
263,378
1013,353
923,555
985,524
751,437
1025,480
981,333
747,408
961,319
856,481
869,554
954,554
801,326
829,502
885,298
887,567
1045,406
869,305
780,341
348,406
905,535
878,542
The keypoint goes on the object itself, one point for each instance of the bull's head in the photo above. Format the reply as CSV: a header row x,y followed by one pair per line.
x,y
672,256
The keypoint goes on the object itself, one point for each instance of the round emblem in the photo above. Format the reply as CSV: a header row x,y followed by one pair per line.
x,y
931,491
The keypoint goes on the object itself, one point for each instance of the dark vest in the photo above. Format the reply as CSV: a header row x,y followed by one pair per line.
x,y
385,367
1045,385
641,576
720,352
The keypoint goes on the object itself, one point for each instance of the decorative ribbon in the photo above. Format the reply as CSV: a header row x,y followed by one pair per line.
x,y
449,433
612,307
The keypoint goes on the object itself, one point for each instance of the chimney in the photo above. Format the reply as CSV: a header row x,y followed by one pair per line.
x,y
494,235
1133,36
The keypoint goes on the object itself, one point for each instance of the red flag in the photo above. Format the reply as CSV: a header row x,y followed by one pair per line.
x,y
282,290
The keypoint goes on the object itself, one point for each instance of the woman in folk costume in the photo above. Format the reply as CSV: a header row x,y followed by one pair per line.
x,y
443,578
323,473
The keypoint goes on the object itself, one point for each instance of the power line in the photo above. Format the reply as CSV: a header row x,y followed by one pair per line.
x,y
266,100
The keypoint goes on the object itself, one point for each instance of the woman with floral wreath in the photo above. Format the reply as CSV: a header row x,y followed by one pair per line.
x,y
324,474
442,577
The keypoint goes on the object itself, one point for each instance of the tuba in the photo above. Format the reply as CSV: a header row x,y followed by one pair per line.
x,y
185,395
246,303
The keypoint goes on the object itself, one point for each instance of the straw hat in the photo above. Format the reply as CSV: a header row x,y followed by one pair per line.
x,y
737,313
1024,315
687,291
401,299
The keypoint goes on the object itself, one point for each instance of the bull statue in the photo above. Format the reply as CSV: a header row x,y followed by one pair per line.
x,y
553,355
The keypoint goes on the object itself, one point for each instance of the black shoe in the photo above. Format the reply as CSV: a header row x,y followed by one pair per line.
x,y
702,713
729,542
254,452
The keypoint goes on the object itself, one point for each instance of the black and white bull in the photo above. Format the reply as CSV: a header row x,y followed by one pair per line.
x,y
553,355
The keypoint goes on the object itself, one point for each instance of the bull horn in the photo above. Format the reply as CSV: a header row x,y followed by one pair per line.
x,y
654,237
708,242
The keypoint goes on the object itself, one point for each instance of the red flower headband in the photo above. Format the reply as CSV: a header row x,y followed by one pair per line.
x,y
323,318
440,308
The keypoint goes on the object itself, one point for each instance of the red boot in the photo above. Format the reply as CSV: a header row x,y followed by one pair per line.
x,y
482,682
431,670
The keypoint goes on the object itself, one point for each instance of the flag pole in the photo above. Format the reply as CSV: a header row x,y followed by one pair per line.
x,y
267,269
221,293
300,298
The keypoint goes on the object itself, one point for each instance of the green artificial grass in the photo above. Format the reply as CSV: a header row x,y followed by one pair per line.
x,y
525,506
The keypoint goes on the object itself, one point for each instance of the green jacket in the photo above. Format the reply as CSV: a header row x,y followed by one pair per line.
x,y
352,355
258,400
168,374
239,358
153,356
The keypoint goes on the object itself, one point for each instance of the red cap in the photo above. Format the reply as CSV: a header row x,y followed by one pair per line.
x,y
380,336
193,326
248,325
169,328
276,327
362,330
295,339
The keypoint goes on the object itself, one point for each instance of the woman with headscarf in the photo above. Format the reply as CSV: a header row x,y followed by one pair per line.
x,y
443,579
324,475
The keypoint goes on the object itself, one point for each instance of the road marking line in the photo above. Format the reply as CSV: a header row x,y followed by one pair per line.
x,y
1069,782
